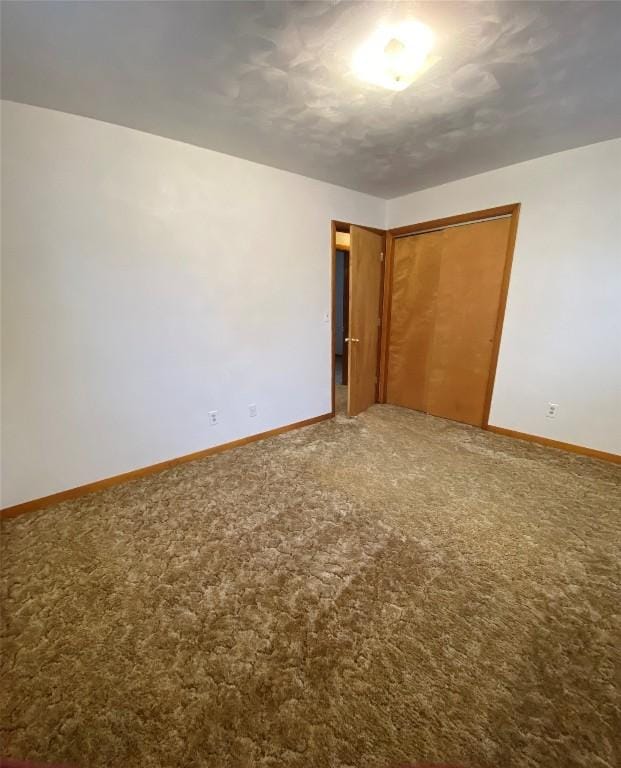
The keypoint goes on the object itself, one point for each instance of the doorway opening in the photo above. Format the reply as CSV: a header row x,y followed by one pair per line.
x,y
357,284
341,318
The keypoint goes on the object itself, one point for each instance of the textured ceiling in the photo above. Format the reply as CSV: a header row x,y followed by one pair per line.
x,y
271,81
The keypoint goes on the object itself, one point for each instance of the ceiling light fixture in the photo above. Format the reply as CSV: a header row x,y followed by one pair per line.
x,y
395,56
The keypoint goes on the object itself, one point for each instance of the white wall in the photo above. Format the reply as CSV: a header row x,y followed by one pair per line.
x,y
145,283
562,333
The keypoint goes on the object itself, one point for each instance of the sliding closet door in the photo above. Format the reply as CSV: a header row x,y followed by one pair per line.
x,y
416,273
445,301
468,300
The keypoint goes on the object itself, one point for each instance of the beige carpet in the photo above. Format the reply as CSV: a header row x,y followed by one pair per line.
x,y
362,593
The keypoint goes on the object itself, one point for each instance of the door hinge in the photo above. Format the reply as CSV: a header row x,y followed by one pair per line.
x,y
379,321
382,256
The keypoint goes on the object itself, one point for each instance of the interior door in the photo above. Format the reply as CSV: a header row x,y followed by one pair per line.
x,y
365,281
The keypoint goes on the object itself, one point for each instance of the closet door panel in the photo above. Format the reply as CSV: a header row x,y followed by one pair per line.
x,y
468,299
416,271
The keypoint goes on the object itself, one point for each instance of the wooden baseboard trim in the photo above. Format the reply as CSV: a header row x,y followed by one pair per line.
x,y
82,490
581,449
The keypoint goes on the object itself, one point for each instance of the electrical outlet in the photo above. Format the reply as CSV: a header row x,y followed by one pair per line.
x,y
552,410
252,410
213,418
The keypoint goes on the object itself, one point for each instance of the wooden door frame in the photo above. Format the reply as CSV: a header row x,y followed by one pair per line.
x,y
512,210
344,226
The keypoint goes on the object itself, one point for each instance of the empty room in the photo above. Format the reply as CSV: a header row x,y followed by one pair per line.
x,y
311,384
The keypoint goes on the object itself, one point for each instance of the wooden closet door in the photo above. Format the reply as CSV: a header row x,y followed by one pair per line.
x,y
467,306
416,273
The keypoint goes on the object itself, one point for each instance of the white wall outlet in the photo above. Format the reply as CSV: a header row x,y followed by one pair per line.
x,y
552,410
252,410
213,418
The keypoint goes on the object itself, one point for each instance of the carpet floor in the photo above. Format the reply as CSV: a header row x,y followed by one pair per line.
x,y
364,592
